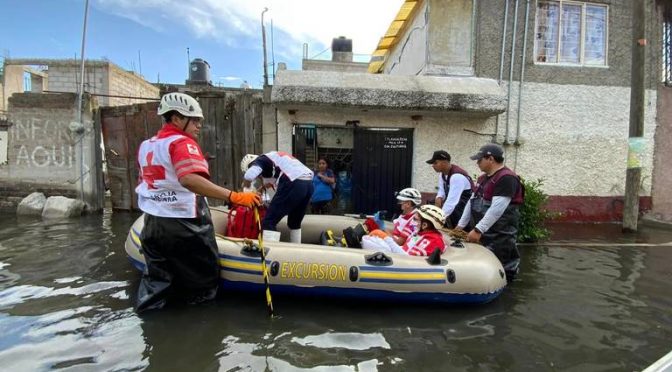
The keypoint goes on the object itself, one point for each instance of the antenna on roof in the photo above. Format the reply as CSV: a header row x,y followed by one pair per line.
x,y
139,62
188,60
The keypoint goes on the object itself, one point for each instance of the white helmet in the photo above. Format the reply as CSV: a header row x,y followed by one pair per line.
x,y
182,103
247,159
410,194
433,214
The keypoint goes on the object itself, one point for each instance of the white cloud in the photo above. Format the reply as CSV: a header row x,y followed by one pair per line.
x,y
237,23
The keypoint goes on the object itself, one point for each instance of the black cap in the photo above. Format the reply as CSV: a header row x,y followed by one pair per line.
x,y
439,155
491,149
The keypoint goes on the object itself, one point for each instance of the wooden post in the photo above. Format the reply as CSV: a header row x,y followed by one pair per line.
x,y
637,92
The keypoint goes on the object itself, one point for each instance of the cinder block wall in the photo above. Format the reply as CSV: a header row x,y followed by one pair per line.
x,y
43,153
124,83
65,78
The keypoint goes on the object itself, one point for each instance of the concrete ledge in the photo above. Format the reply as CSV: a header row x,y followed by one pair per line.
x,y
389,92
651,221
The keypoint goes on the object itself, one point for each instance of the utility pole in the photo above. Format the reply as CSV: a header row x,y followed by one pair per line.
x,y
80,98
263,42
635,142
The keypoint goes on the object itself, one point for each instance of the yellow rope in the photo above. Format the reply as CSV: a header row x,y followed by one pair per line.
x,y
269,301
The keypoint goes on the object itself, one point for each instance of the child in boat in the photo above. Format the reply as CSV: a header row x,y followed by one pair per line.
x,y
404,226
425,240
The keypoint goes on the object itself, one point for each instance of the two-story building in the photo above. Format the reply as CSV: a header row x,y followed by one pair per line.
x,y
547,79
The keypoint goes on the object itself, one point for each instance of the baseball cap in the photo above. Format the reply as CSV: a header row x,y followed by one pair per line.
x,y
491,149
439,155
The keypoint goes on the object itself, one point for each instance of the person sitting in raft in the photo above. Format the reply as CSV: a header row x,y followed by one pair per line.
x,y
404,226
423,242
294,188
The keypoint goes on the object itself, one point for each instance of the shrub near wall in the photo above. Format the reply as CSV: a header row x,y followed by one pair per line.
x,y
533,213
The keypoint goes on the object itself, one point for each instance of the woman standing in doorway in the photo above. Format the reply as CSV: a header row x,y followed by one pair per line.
x,y
323,183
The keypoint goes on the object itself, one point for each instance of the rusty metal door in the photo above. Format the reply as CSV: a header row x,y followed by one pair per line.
x,y
124,128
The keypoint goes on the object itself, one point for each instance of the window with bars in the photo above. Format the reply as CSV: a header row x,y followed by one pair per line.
x,y
571,33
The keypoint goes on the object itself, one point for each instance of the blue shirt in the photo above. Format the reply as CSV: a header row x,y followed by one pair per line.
x,y
322,190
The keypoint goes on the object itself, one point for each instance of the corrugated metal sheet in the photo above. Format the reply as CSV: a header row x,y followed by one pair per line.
x,y
392,35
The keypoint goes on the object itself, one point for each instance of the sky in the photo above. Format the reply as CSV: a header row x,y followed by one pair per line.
x,y
151,37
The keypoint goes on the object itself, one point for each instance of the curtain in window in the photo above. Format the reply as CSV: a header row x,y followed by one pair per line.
x,y
546,38
571,34
596,35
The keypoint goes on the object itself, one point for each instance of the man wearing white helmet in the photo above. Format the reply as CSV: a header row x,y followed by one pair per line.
x,y
178,239
404,225
293,183
425,240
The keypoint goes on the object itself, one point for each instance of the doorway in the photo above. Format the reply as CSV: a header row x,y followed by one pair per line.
x,y
381,166
370,164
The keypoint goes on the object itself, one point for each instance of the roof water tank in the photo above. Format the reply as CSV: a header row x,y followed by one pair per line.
x,y
199,71
341,44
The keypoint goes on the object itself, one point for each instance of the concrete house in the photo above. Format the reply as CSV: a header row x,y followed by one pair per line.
x,y
112,85
547,79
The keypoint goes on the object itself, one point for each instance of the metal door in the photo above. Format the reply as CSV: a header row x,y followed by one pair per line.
x,y
381,166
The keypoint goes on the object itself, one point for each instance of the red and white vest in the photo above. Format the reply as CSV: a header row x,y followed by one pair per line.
x,y
405,225
290,166
160,192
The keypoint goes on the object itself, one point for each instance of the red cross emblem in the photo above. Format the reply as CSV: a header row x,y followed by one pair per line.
x,y
151,173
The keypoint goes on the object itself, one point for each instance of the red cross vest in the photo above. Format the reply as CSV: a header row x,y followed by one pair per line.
x,y
160,192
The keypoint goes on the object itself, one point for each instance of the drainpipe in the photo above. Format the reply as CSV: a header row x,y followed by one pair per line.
x,y
513,55
501,60
522,73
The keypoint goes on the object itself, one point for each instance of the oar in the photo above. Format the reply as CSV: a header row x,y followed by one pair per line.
x,y
269,301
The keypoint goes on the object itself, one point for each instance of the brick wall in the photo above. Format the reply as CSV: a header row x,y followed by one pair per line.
x,y
103,78
65,78
125,83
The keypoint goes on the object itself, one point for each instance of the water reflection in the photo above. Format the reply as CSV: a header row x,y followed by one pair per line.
x,y
66,291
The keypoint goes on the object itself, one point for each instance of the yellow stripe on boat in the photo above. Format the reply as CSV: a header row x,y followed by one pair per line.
x,y
135,238
231,264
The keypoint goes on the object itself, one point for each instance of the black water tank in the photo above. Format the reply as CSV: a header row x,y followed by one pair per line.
x,y
341,44
199,71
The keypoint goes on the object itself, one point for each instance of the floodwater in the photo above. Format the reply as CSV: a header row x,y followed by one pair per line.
x,y
596,301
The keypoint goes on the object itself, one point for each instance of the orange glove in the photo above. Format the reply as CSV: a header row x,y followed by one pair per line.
x,y
378,233
247,199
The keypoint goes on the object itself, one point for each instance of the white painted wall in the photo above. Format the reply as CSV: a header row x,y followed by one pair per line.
x,y
573,137
409,56
431,133
3,146
450,37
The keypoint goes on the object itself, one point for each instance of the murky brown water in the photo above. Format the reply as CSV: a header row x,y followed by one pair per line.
x,y
66,292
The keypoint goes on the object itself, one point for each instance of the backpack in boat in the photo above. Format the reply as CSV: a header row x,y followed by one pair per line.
x,y
242,223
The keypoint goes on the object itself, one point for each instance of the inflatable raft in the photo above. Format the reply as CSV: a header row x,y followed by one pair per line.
x,y
466,273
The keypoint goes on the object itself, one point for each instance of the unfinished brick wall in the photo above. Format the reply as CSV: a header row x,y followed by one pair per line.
x,y
65,78
103,78
125,83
